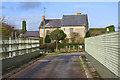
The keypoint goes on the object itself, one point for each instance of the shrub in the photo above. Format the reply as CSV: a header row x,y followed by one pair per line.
x,y
61,45
48,46
65,40
111,28
47,39
87,34
80,40
40,40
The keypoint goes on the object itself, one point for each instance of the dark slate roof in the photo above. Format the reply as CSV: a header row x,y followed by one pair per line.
x,y
55,23
31,34
75,20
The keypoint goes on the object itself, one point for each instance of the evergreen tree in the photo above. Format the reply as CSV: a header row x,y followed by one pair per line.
x,y
87,34
57,35
23,27
47,39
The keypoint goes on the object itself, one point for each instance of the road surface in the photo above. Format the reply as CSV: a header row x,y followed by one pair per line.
x,y
59,66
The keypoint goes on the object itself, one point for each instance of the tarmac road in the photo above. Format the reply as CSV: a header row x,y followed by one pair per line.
x,y
59,66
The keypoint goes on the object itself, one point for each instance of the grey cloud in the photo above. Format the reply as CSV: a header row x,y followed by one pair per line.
x,y
32,22
29,5
2,7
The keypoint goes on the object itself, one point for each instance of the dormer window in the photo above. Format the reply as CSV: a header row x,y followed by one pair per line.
x,y
47,24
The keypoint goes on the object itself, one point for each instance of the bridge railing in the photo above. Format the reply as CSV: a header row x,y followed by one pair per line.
x,y
105,49
11,46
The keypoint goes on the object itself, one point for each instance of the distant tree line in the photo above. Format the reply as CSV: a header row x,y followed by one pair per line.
x,y
99,31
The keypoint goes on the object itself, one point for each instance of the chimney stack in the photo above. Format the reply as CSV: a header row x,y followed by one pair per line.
x,y
79,13
43,17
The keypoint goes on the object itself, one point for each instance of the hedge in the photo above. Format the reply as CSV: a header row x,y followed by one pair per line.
x,y
60,45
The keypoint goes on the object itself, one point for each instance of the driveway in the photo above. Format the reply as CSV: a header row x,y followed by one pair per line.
x,y
59,66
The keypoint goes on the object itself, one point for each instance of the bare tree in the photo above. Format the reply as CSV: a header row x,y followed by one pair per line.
x,y
74,36
8,30
2,19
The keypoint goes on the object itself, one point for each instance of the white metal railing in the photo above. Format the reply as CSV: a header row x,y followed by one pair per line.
x,y
11,47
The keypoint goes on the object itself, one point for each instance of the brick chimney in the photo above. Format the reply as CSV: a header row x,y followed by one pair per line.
x,y
79,13
43,17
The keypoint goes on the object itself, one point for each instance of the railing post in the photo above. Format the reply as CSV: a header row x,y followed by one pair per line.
x,y
69,47
10,47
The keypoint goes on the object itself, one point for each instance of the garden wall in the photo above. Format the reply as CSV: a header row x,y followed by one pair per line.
x,y
104,52
10,63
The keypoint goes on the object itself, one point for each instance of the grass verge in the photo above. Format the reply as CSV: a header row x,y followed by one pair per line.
x,y
54,53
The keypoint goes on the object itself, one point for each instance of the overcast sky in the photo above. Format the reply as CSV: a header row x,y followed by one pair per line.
x,y
100,14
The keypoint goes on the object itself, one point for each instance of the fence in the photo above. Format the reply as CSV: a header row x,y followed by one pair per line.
x,y
71,47
17,46
106,50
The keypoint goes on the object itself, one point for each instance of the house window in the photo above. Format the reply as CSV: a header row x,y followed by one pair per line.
x,y
71,30
47,32
64,29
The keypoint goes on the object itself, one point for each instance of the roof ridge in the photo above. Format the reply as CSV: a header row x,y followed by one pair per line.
x,y
75,15
52,19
